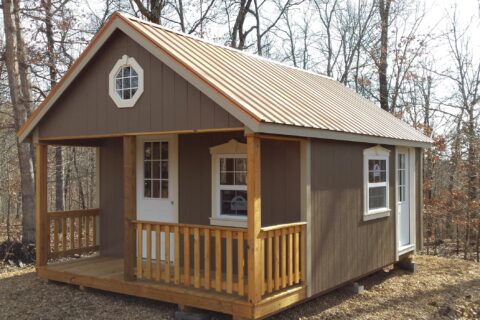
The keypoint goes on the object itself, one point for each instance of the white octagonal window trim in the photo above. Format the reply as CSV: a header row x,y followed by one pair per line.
x,y
125,82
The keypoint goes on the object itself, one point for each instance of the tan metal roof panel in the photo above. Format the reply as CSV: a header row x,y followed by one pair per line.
x,y
277,93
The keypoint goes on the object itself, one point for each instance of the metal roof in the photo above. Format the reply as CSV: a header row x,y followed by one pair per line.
x,y
276,93
272,93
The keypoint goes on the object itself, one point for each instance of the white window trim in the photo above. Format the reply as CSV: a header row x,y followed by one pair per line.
x,y
122,62
375,153
231,149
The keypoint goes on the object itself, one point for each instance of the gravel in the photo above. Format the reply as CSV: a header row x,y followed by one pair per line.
x,y
441,289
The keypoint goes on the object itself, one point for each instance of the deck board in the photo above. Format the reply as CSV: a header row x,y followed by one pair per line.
x,y
106,273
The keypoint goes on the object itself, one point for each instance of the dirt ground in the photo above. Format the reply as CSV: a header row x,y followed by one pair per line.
x,y
441,289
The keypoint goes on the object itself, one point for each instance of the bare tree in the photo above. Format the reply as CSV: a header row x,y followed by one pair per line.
x,y
21,97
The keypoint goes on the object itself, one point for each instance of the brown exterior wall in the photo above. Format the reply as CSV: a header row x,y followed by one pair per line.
x,y
111,198
343,246
280,178
167,103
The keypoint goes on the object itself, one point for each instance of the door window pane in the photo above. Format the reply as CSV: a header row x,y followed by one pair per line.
x,y
155,169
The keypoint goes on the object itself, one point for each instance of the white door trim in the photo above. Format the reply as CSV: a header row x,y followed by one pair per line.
x,y
412,202
173,162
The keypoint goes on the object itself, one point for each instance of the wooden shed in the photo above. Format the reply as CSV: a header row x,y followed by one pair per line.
x,y
226,181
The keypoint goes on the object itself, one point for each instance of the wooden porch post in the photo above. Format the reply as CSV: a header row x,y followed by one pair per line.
x,y
129,205
41,220
254,219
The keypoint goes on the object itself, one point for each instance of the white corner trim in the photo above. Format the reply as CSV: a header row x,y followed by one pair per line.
x,y
123,62
306,205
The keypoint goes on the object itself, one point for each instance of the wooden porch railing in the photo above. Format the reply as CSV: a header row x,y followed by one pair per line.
x,y
195,256
72,232
283,248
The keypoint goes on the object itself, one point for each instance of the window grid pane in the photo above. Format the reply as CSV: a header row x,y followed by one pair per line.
x,y
126,82
377,197
156,170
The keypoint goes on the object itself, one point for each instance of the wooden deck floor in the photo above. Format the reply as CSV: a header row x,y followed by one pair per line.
x,y
106,273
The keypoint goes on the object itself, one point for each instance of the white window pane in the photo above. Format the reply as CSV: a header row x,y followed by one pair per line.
x,y
156,189
377,197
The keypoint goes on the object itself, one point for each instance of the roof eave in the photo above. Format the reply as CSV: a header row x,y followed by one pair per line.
x,y
272,128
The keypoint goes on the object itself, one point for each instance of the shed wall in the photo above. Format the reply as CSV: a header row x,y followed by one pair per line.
x,y
280,169
345,247
168,102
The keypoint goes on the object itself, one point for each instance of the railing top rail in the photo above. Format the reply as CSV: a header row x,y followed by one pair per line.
x,y
283,226
189,225
74,213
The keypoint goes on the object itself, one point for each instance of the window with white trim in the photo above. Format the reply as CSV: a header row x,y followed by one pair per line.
x,y
376,182
126,82
229,184
232,186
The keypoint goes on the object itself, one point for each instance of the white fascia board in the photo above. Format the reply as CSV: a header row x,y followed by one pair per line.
x,y
335,135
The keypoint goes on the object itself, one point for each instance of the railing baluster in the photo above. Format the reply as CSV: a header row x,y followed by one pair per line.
x,y
177,255
80,235
229,258
87,231
240,261
167,254
290,256
284,258
64,234
206,256
94,230
269,262
139,250
157,252
55,235
218,261
302,254
196,258
296,254
148,267
72,233
186,255
276,259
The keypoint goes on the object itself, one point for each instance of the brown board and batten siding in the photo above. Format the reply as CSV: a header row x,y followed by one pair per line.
x,y
280,169
344,247
168,103
111,201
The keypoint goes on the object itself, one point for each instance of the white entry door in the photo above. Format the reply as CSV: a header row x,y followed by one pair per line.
x,y
403,199
157,184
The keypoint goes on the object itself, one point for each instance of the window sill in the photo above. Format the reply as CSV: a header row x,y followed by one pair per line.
x,y
229,222
377,214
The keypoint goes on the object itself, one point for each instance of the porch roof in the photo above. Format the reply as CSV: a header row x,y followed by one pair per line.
x,y
264,95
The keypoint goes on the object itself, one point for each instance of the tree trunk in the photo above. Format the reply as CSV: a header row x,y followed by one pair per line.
x,y
384,8
20,94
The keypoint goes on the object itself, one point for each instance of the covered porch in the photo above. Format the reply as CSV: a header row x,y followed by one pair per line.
x,y
249,272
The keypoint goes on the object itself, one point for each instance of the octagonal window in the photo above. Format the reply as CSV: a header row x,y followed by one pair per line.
x,y
126,82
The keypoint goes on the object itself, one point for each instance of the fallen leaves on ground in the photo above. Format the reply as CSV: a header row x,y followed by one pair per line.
x,y
440,289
